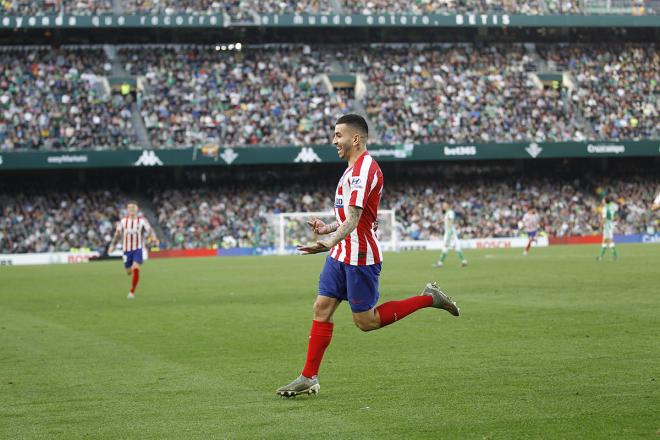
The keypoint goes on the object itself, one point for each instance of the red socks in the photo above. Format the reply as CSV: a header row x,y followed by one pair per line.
x,y
392,311
136,278
321,332
319,338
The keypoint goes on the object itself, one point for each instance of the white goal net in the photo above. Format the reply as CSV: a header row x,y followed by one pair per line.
x,y
291,229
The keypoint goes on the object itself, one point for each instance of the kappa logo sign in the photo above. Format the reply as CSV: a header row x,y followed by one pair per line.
x,y
307,155
229,156
148,158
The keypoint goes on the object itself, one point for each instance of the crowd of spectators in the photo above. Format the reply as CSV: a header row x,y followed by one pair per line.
x,y
244,10
423,94
489,207
44,7
54,98
238,10
230,217
532,7
57,221
461,93
617,87
243,216
277,95
266,95
486,207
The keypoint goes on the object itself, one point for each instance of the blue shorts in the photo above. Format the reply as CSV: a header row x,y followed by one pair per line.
x,y
357,284
131,257
531,234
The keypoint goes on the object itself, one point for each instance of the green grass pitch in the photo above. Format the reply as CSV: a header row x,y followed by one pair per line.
x,y
554,345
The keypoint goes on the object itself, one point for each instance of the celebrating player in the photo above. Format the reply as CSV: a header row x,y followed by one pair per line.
x,y
352,269
656,203
451,238
133,227
530,223
608,213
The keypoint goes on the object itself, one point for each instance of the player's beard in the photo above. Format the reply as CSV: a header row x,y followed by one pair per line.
x,y
342,150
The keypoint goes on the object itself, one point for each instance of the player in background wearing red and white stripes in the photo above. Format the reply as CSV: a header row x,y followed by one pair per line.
x,y
133,229
530,223
352,269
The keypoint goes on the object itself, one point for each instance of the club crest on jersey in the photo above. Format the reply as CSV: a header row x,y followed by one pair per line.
x,y
356,182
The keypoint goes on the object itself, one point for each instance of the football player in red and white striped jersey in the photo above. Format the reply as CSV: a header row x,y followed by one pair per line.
x,y
353,267
530,222
133,229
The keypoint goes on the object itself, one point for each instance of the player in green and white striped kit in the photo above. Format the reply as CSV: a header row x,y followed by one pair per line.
x,y
451,238
608,215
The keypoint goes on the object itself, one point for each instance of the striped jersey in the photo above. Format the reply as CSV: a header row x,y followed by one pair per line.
x,y
530,221
450,228
133,230
361,185
609,214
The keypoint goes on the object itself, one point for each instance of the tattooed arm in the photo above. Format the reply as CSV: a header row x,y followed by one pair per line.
x,y
341,232
347,227
321,228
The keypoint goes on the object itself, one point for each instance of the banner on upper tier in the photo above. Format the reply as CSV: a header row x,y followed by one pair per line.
x,y
257,155
47,258
183,20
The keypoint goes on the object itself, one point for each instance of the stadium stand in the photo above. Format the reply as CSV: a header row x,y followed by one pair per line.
x,y
41,7
54,99
534,7
237,216
54,221
281,95
239,10
616,87
244,10
463,93
262,96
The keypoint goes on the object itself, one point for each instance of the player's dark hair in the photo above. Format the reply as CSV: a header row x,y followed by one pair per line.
x,y
132,202
355,121
606,199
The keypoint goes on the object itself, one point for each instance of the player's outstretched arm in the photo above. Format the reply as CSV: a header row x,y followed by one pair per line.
x,y
341,233
114,240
